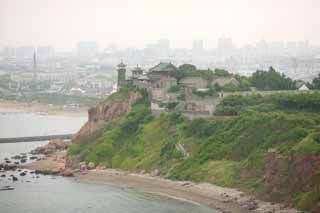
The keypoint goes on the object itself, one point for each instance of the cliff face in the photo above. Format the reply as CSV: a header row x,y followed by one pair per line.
x,y
104,113
270,151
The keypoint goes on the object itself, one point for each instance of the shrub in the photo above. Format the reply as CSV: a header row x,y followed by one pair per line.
x,y
169,151
174,88
75,149
171,105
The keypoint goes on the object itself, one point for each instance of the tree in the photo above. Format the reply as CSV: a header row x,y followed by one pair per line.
x,y
221,73
316,82
207,75
271,80
179,74
187,67
183,71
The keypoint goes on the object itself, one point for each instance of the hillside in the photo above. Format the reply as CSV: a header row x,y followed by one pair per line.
x,y
269,145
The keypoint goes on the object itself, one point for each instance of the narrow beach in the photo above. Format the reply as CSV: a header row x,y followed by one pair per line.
x,y
221,198
45,109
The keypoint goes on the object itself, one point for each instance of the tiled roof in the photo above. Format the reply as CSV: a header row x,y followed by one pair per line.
x,y
167,67
143,77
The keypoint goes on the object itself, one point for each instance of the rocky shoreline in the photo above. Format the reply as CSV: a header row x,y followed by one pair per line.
x,y
220,198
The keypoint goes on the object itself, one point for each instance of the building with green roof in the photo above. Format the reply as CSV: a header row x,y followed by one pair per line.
x,y
163,68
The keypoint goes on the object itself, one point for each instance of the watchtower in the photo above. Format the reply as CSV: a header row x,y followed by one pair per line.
x,y
137,72
121,75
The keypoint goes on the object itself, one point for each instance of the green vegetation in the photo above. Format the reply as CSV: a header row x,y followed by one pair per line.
x,y
187,67
184,71
271,80
221,73
289,102
316,82
244,84
261,80
174,88
189,70
269,147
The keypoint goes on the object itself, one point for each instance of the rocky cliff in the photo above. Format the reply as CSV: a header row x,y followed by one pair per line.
x,y
115,106
270,146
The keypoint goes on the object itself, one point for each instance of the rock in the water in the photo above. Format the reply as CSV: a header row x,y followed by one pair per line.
x,y
7,167
14,178
91,165
67,173
16,157
23,174
23,160
47,172
33,158
3,175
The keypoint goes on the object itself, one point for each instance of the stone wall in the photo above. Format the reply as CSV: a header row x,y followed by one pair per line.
x,y
192,105
221,81
195,107
194,82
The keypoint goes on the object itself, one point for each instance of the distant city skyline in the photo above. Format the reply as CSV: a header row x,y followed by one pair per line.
x,y
194,44
132,24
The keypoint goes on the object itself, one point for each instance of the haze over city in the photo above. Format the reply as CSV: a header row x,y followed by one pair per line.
x,y
132,24
160,106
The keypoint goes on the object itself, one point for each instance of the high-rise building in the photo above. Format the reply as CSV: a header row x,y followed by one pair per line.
x,y
164,44
197,45
24,52
34,61
225,44
163,47
87,48
45,52
9,52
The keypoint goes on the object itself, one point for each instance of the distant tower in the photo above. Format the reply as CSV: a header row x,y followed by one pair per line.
x,y
137,72
35,63
121,75
34,60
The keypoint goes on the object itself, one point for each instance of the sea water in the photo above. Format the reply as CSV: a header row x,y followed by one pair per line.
x,y
54,194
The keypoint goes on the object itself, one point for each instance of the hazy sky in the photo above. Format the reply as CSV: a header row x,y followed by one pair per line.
x,y
132,23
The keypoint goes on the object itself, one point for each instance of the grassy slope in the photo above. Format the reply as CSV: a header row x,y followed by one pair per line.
x,y
229,152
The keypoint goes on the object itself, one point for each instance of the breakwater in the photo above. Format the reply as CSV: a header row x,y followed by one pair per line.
x,y
36,138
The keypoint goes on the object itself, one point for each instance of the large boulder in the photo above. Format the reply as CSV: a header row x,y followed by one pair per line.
x,y
83,166
155,172
91,165
51,147
99,167
67,173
